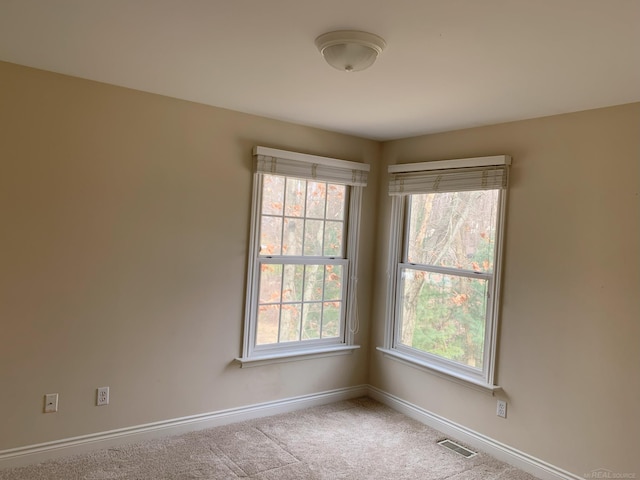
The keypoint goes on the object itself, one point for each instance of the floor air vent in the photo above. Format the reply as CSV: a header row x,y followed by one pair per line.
x,y
465,452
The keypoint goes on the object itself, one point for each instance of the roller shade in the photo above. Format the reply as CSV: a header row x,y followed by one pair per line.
x,y
310,167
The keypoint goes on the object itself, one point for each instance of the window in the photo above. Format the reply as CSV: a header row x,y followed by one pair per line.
x,y
303,257
445,265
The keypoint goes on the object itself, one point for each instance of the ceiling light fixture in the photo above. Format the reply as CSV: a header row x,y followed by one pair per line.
x,y
350,50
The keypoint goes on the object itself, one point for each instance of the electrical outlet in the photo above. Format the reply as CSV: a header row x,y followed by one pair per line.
x,y
50,403
102,397
501,411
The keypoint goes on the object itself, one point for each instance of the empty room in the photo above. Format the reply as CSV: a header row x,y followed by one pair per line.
x,y
319,240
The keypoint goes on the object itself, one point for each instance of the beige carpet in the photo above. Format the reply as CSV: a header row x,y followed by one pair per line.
x,y
356,439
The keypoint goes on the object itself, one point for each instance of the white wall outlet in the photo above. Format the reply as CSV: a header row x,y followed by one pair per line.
x,y
501,411
102,397
50,403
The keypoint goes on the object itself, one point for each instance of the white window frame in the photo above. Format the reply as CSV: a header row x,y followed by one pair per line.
x,y
407,179
310,167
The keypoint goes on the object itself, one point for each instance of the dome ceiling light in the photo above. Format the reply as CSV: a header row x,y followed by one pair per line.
x,y
350,50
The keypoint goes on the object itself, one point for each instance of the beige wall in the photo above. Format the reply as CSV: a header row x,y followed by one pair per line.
x,y
569,352
125,220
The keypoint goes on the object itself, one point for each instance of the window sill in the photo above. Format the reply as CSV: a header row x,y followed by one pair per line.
x,y
442,373
295,356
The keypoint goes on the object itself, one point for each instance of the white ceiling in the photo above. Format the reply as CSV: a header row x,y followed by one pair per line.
x,y
449,64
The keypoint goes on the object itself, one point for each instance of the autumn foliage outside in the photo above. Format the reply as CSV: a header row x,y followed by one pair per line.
x,y
302,265
446,272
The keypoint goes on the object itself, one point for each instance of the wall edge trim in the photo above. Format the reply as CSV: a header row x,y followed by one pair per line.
x,y
30,454
505,453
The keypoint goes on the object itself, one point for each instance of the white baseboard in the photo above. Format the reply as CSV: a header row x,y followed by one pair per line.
x,y
71,446
30,454
502,452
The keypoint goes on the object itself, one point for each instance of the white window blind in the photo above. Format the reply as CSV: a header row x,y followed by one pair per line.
x,y
426,177
311,167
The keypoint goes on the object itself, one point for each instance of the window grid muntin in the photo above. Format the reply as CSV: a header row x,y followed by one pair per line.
x,y
343,222
306,262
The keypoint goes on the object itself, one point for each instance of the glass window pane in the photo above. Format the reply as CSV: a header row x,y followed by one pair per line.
x,y
333,239
311,321
333,282
292,283
453,229
313,283
290,322
300,218
292,241
296,196
272,194
335,202
316,196
270,235
313,236
270,283
331,319
268,319
444,315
